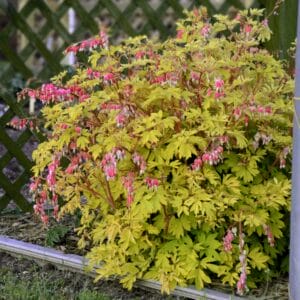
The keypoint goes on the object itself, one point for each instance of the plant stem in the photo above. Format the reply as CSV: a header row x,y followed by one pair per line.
x,y
110,196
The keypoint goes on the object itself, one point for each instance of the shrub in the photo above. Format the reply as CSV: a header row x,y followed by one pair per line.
x,y
177,154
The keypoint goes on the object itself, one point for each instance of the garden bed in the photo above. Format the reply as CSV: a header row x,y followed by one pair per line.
x,y
18,271
27,227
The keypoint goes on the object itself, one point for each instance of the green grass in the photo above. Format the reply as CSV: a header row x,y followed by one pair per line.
x,y
34,285
23,279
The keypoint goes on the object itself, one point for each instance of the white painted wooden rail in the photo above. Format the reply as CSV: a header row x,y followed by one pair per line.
x,y
78,263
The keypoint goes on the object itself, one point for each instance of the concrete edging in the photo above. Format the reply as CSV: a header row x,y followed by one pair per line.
x,y
78,263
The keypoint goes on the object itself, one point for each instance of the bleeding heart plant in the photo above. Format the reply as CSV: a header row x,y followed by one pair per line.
x,y
177,153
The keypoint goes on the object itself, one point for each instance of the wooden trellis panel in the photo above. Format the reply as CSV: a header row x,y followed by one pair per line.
x,y
124,17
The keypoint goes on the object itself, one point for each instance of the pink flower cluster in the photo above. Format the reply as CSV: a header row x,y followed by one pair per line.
x,y
119,153
141,54
63,126
109,78
152,183
205,30
140,162
227,240
22,123
76,161
264,110
122,117
180,34
90,44
269,234
78,92
110,106
49,93
39,207
195,76
72,146
252,108
265,22
41,194
170,78
92,74
219,83
128,184
197,164
109,163
213,157
223,139
219,88
283,155
109,166
54,201
104,39
78,129
128,90
34,185
247,29
242,283
264,138
51,176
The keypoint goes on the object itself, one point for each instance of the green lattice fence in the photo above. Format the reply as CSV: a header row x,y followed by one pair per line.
x,y
31,45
